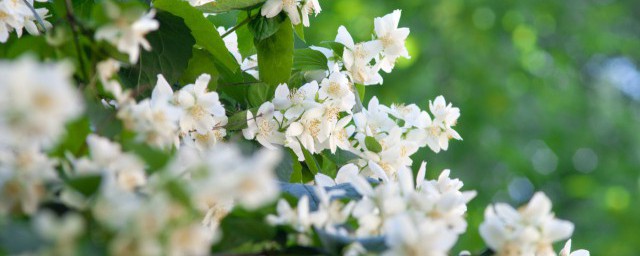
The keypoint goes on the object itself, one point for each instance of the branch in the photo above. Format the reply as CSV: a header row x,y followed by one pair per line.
x,y
35,13
74,30
245,21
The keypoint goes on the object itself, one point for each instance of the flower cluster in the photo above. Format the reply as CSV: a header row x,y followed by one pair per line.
x,y
384,49
407,212
17,15
297,10
34,107
530,230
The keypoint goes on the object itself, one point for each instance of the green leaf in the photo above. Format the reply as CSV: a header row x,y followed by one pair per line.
x,y
296,176
202,30
237,121
201,62
337,48
329,168
154,158
309,59
372,144
245,37
86,184
257,94
299,29
171,50
275,56
311,162
341,157
74,139
361,91
262,27
285,167
241,227
228,5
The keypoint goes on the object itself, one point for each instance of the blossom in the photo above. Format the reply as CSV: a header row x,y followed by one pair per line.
x,y
566,250
309,7
527,231
128,33
437,132
121,169
417,235
357,58
63,232
202,109
154,120
23,175
392,39
36,100
264,127
16,15
271,8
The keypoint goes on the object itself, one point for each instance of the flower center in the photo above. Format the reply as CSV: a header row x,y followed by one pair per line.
x,y
313,127
296,96
335,89
265,127
198,112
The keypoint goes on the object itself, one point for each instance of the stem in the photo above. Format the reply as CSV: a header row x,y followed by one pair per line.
x,y
74,30
35,13
245,21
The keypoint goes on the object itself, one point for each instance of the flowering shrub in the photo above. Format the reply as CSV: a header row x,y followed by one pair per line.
x,y
150,131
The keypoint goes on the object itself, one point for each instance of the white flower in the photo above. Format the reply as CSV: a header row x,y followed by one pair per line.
x,y
126,34
124,170
392,39
36,100
202,109
436,133
156,120
444,113
271,8
566,251
295,101
309,7
16,15
344,175
194,239
416,235
200,2
340,134
357,58
530,230
62,231
337,89
23,174
264,127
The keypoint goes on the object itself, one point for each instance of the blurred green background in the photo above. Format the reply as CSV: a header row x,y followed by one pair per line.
x,y
550,98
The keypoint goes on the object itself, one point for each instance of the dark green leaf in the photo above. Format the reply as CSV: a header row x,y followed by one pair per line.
x,y
241,227
262,28
87,184
74,139
203,31
341,157
202,62
275,56
285,167
154,158
228,5
299,29
245,37
257,94
337,48
171,50
237,121
372,144
311,162
309,59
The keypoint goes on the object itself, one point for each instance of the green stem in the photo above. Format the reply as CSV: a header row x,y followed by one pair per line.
x,y
236,27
